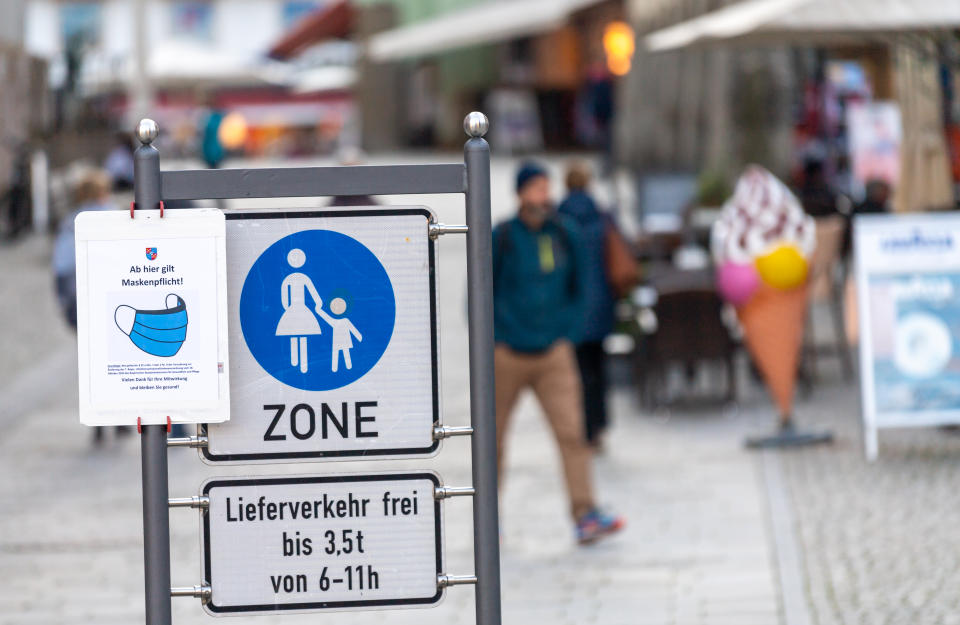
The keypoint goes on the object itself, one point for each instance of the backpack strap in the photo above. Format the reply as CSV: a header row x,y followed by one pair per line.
x,y
564,239
503,243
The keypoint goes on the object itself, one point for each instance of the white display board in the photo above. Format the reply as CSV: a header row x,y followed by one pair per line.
x,y
321,543
152,317
908,292
876,140
334,341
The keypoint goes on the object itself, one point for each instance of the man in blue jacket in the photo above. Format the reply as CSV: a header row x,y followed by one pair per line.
x,y
538,288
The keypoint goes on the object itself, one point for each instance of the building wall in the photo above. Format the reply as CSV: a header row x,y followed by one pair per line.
x,y
230,26
410,11
24,101
457,75
713,109
11,22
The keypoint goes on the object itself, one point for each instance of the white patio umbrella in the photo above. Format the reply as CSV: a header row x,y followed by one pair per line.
x,y
807,21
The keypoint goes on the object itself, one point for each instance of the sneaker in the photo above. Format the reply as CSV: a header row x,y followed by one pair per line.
x,y
594,525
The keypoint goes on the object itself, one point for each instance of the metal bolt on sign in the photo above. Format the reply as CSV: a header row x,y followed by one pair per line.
x,y
437,230
444,581
195,442
196,501
446,431
471,178
445,492
201,592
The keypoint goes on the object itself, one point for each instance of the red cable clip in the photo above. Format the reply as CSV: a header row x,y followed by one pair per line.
x,y
140,429
134,204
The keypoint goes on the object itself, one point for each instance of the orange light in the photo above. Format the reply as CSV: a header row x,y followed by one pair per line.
x,y
233,131
618,43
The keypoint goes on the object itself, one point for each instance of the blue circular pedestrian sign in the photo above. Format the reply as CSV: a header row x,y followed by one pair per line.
x,y
317,310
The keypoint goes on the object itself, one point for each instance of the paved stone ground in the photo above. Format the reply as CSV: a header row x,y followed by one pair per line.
x,y
697,549
879,538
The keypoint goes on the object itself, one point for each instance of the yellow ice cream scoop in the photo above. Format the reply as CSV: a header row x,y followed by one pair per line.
x,y
783,267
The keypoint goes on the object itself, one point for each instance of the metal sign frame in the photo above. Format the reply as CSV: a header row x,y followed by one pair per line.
x,y
359,454
470,178
211,606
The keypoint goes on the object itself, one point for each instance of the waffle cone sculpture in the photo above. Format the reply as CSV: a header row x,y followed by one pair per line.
x,y
773,323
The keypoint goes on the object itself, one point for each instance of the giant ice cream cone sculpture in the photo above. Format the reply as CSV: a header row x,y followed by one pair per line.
x,y
761,244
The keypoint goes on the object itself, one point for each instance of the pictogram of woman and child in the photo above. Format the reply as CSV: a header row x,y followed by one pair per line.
x,y
298,320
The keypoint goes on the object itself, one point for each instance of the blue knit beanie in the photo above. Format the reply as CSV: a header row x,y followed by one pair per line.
x,y
527,172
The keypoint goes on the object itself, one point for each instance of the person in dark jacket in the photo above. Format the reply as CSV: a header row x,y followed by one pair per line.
x,y
211,148
816,196
597,295
538,304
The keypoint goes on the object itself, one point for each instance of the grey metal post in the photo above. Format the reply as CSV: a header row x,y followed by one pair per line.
x,y
486,524
153,438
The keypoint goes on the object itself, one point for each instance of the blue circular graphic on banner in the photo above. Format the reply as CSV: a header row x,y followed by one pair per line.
x,y
317,310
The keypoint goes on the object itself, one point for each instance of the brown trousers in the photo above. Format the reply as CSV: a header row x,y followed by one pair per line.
x,y
555,380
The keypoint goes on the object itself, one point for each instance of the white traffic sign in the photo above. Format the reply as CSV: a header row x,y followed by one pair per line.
x,y
318,543
152,317
334,348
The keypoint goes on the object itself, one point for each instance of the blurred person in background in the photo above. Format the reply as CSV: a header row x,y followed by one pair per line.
x,y
816,195
597,295
15,207
538,300
211,148
876,200
92,193
119,162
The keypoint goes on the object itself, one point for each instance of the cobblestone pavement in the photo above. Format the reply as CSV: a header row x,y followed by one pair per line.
x,y
879,539
695,550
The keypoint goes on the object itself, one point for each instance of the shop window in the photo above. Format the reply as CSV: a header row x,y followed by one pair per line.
x,y
80,24
518,65
192,20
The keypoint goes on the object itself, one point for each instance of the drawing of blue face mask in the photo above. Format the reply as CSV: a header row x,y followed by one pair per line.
x,y
156,332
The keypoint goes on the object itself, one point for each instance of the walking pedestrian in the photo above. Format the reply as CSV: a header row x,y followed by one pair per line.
x,y
212,149
598,298
538,275
92,193
119,162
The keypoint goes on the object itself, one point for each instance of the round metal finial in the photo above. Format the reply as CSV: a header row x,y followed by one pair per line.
x,y
147,131
476,124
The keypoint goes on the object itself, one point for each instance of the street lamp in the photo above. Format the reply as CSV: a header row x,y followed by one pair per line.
x,y
619,45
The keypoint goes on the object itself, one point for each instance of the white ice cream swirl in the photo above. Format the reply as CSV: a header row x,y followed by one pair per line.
x,y
761,214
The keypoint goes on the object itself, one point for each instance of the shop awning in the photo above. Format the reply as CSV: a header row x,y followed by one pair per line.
x,y
787,21
333,21
484,23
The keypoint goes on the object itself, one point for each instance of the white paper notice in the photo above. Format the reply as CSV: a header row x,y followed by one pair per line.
x,y
151,317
